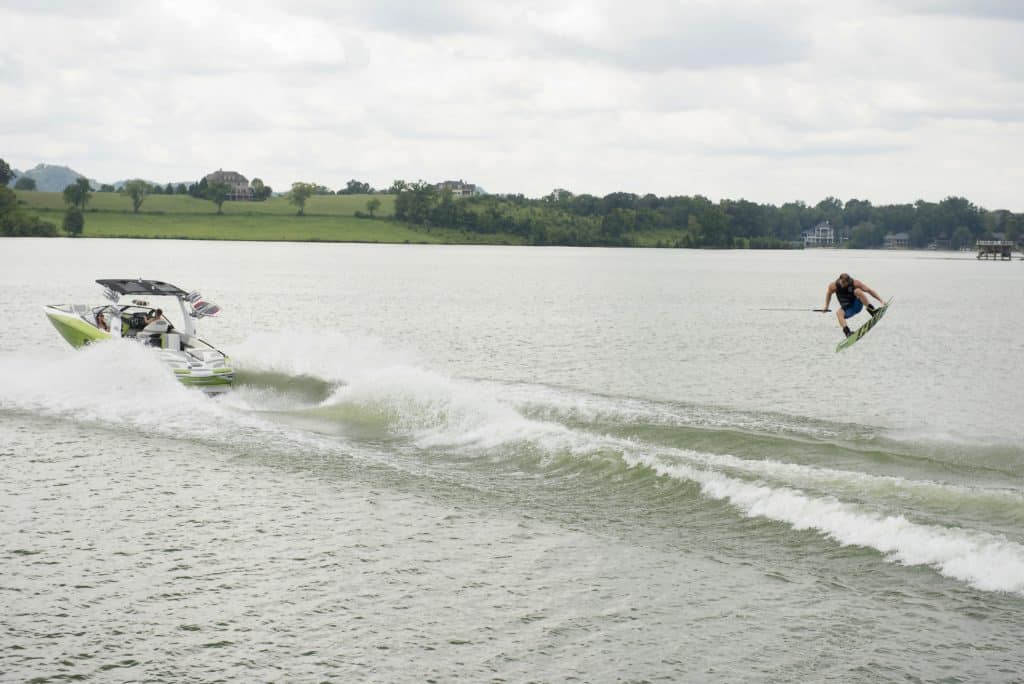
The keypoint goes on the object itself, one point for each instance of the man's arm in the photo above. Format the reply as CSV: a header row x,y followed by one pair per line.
x,y
866,288
828,294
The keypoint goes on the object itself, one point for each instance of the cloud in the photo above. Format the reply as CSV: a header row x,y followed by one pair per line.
x,y
661,36
773,101
980,9
424,18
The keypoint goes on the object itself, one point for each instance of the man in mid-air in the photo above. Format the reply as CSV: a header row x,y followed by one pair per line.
x,y
853,297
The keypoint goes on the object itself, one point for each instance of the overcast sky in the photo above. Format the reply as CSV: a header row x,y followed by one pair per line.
x,y
772,101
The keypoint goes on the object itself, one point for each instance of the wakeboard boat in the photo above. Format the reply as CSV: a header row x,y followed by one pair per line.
x,y
195,362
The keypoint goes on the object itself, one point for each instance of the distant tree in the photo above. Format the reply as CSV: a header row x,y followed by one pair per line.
x,y
715,225
260,191
78,193
616,222
299,194
959,211
354,187
398,186
14,222
918,237
1014,227
74,221
863,236
169,190
181,189
107,187
198,190
415,202
558,196
372,205
8,202
136,190
6,174
25,183
962,237
218,192
856,211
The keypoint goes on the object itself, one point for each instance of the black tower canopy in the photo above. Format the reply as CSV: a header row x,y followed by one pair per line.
x,y
137,286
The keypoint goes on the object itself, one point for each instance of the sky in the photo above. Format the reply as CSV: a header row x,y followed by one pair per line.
x,y
771,101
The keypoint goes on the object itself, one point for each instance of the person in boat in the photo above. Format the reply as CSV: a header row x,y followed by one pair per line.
x,y
101,322
154,316
853,298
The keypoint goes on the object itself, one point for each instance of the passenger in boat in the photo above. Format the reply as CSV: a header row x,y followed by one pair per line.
x,y
101,322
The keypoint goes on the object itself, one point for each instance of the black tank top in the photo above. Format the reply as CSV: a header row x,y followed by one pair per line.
x,y
845,295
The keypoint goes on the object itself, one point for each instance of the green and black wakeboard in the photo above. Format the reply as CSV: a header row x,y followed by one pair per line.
x,y
864,329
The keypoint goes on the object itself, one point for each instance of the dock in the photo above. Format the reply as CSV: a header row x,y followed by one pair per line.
x,y
994,249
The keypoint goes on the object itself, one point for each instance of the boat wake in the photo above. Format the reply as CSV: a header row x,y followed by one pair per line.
x,y
341,396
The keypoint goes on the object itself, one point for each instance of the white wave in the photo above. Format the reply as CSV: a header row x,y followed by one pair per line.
x,y
123,385
116,381
437,410
985,561
440,411
943,436
327,355
849,480
561,403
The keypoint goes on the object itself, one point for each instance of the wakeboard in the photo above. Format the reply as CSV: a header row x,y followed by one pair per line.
x,y
864,329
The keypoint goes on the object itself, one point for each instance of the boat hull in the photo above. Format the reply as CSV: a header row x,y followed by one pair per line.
x,y
216,381
73,329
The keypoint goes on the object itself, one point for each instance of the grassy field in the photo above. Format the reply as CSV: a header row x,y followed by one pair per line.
x,y
328,205
329,218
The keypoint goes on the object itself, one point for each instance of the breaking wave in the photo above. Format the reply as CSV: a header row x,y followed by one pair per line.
x,y
337,394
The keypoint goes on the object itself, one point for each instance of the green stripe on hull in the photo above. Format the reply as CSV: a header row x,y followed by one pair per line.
x,y
77,332
206,380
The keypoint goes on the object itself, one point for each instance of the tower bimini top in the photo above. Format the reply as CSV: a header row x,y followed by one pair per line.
x,y
137,286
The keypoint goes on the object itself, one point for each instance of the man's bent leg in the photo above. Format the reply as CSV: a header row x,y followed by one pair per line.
x,y
841,315
863,297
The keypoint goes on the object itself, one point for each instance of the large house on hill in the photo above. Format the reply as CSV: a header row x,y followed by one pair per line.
x,y
240,189
459,188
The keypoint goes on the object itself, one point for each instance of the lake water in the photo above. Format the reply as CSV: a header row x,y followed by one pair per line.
x,y
516,464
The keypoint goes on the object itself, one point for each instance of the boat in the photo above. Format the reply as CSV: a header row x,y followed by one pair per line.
x,y
195,362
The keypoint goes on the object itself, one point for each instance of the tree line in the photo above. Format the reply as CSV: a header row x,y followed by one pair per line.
x,y
617,219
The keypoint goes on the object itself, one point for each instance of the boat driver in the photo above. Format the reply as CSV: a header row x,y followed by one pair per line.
x,y
153,317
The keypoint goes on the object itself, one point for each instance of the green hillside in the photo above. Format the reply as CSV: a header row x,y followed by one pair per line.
x,y
327,205
328,218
